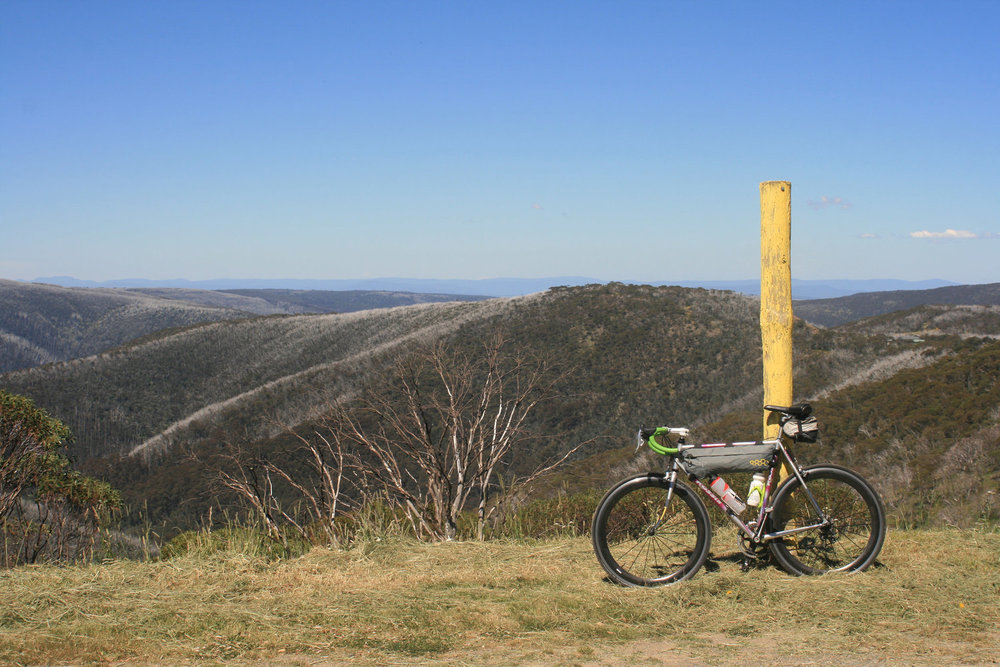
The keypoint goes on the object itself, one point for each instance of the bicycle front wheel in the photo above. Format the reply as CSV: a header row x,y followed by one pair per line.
x,y
849,543
640,540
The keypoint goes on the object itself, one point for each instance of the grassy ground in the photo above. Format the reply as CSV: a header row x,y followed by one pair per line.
x,y
934,600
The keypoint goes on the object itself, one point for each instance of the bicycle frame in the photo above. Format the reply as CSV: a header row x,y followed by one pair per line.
x,y
754,530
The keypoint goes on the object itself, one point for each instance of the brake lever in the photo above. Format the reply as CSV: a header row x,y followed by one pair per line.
x,y
643,436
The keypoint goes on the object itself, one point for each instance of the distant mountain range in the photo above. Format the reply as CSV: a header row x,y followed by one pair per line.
x,y
493,287
840,310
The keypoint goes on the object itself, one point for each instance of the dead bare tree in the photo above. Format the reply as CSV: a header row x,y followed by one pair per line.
x,y
443,436
250,479
315,483
436,440
330,473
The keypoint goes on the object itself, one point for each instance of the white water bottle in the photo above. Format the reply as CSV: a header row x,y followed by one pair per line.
x,y
756,492
727,495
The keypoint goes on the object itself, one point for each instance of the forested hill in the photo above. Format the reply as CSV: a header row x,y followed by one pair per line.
x,y
42,323
840,310
928,437
45,323
344,301
630,354
932,320
267,367
635,352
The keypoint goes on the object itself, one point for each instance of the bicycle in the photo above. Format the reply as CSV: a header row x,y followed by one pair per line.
x,y
652,529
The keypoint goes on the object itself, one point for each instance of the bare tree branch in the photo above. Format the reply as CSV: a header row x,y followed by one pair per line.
x,y
452,438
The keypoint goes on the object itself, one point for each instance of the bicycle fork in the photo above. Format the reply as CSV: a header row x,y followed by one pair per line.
x,y
671,482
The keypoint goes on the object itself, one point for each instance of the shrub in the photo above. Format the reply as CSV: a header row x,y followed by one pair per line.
x,y
47,510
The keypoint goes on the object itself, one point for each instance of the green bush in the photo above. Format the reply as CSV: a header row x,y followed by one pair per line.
x,y
48,511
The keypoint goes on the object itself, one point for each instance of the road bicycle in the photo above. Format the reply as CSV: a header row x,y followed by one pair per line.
x,y
654,530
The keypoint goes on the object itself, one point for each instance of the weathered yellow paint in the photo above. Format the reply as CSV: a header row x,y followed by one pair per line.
x,y
776,298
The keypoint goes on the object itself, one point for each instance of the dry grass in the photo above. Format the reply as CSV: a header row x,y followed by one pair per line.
x,y
936,600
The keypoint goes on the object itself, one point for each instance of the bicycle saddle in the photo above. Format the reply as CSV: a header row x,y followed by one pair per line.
x,y
799,410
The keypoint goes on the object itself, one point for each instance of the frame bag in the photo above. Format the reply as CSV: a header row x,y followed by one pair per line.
x,y
705,460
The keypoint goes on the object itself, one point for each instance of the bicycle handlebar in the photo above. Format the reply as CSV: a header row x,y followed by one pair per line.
x,y
647,436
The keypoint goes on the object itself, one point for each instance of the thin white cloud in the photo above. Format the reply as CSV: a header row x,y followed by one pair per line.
x,y
829,202
536,206
868,236
946,234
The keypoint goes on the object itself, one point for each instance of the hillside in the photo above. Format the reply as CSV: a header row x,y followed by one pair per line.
x,y
634,354
933,320
290,302
138,394
634,351
344,301
926,435
840,310
44,323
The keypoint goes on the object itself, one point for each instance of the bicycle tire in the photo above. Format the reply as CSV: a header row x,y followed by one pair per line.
x,y
639,541
850,544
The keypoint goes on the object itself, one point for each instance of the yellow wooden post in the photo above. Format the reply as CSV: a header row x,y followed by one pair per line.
x,y
776,298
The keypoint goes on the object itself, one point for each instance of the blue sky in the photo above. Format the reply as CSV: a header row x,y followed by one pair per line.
x,y
617,140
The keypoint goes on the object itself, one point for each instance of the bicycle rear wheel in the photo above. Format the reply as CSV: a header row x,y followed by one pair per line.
x,y
641,541
856,532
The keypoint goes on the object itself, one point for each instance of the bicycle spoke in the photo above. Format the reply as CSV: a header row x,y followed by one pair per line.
x,y
848,541
646,541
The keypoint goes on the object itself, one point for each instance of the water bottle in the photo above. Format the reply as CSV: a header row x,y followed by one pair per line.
x,y
727,495
756,492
